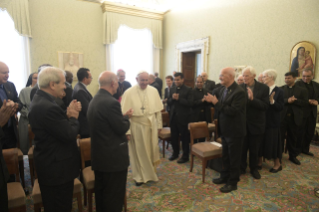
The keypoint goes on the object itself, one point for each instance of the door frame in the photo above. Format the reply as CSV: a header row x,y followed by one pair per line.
x,y
201,44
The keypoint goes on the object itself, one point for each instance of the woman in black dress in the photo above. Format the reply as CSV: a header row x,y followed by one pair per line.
x,y
271,147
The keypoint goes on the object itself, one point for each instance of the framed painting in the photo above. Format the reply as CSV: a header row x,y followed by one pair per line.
x,y
238,70
302,56
70,61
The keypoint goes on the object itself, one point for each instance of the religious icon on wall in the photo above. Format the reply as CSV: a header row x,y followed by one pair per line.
x,y
303,55
70,61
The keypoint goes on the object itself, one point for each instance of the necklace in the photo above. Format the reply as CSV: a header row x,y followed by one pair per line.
x,y
143,102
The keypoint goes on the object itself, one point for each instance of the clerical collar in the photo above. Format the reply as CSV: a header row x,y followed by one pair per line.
x,y
308,83
291,86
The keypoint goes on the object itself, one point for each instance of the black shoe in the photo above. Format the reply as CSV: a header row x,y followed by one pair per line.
x,y
138,184
272,170
294,160
228,188
242,171
173,157
183,160
259,167
308,153
220,180
255,174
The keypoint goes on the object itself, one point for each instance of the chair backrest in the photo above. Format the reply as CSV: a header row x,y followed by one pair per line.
x,y
31,135
198,130
165,119
11,158
85,149
212,113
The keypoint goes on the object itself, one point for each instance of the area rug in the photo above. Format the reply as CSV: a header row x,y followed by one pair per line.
x,y
291,189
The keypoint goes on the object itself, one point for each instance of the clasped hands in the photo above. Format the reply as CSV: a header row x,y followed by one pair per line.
x,y
271,98
73,110
175,96
211,98
7,110
313,102
292,99
129,113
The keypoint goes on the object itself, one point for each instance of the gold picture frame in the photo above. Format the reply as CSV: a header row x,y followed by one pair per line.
x,y
302,55
70,61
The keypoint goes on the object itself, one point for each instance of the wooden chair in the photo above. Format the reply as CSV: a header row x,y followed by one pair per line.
x,y
20,157
204,150
88,174
30,154
16,195
37,198
165,133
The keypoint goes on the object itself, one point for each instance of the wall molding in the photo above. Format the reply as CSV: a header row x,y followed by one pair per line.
x,y
201,44
131,10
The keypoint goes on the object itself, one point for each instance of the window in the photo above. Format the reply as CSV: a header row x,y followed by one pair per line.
x,y
132,52
13,51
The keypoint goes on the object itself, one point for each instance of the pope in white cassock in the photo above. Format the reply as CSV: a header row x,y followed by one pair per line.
x,y
146,122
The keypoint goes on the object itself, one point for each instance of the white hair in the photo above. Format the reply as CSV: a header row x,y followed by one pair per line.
x,y
271,73
49,74
250,69
141,72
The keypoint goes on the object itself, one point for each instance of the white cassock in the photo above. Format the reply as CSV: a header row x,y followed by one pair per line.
x,y
145,122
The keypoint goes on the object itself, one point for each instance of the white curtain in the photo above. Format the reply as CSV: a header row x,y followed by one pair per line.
x,y
132,52
14,51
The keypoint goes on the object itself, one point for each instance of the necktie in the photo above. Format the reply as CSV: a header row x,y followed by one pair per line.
x,y
224,94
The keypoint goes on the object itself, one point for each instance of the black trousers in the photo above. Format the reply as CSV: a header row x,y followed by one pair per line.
x,y
177,129
289,127
231,159
110,188
251,143
10,139
308,130
57,198
3,192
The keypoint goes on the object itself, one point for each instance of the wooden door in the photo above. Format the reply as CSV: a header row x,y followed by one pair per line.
x,y
188,68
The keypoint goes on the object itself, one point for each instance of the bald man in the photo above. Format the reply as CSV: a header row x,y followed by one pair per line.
x,y
230,103
153,83
240,79
208,84
109,145
8,92
260,78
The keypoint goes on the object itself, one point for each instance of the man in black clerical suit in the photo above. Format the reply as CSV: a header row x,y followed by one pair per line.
x,y
153,83
56,155
81,94
295,98
257,95
110,159
208,84
160,82
180,100
230,103
5,113
123,85
201,108
169,82
67,96
310,111
8,92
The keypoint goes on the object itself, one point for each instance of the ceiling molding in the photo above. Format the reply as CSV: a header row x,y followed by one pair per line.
x,y
131,10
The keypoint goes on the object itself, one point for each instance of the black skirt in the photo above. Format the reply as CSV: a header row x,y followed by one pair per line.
x,y
271,147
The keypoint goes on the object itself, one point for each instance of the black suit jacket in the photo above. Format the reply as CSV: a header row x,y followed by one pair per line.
x,y
231,112
160,83
121,89
158,88
4,176
108,126
80,93
56,155
210,85
12,94
64,102
166,96
274,110
256,109
182,108
198,105
316,95
301,94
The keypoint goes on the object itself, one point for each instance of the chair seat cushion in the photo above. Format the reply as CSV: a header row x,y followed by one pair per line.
x,y
30,152
16,195
88,177
77,186
211,126
36,193
20,155
206,149
165,133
